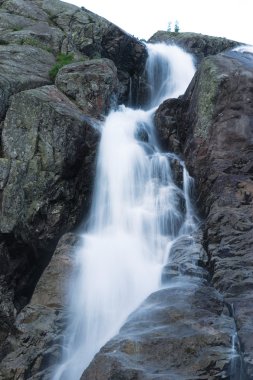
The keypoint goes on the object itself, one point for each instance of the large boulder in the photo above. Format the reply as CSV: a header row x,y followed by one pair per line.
x,y
49,148
93,85
215,130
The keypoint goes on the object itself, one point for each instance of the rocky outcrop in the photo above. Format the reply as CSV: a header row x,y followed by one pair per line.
x,y
22,68
199,45
56,27
48,150
93,85
35,344
215,130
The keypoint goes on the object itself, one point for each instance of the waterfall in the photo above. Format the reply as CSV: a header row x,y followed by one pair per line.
x,y
136,213
167,78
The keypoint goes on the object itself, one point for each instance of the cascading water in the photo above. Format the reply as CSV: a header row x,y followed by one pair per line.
x,y
169,71
137,211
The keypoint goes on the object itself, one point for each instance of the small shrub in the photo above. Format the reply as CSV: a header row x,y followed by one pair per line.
x,y
61,60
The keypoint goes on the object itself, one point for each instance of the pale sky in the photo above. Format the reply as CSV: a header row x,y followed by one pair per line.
x,y
224,18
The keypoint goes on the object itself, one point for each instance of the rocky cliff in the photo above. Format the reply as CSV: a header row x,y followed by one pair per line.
x,y
62,69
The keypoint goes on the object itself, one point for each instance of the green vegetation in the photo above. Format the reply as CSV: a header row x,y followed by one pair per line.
x,y
33,42
61,60
176,28
169,27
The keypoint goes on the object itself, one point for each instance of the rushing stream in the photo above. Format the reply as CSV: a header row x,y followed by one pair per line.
x,y
137,211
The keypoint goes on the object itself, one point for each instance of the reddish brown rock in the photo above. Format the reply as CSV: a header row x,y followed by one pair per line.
x,y
215,128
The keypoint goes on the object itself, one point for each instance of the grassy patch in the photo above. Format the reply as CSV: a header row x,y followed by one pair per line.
x,y
35,43
61,60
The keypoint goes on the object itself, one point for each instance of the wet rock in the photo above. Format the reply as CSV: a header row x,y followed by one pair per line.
x,y
179,332
182,331
142,133
186,258
129,55
167,118
93,85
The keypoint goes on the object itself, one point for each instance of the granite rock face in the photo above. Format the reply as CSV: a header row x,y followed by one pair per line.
x,y
22,68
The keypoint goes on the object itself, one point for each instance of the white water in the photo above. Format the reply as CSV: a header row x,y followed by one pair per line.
x,y
244,49
136,214
168,78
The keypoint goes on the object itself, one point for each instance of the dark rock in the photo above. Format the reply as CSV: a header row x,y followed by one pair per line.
x,y
167,117
182,331
179,332
35,346
51,151
215,129
199,45
93,85
128,54
186,258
